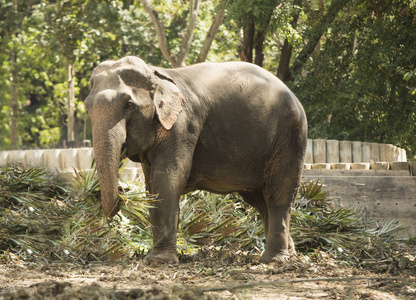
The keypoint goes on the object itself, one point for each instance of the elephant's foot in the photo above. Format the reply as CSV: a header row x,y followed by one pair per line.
x,y
276,258
292,250
155,257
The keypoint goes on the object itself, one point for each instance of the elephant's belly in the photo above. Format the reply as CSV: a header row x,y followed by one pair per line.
x,y
223,179
223,187
224,163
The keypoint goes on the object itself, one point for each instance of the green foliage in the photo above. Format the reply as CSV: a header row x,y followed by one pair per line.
x,y
46,33
360,86
42,216
259,11
358,82
220,220
29,201
341,232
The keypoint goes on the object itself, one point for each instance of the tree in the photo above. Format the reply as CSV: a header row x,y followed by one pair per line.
x,y
254,18
13,16
15,86
278,21
319,26
44,44
216,23
360,86
65,21
351,62
72,29
179,59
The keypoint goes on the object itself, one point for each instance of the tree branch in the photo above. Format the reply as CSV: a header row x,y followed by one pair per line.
x,y
160,32
317,32
283,69
187,39
216,23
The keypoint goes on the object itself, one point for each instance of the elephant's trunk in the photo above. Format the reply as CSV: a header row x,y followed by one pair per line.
x,y
107,149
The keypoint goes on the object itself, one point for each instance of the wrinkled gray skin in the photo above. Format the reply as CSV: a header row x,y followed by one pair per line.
x,y
220,127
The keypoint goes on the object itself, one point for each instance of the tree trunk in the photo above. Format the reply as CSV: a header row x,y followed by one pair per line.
x,y
258,44
283,70
14,104
70,75
177,60
14,101
248,42
260,36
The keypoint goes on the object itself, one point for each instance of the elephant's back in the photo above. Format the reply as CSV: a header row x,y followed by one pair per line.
x,y
239,101
236,82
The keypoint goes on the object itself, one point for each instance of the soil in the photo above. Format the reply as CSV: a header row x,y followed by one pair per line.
x,y
210,274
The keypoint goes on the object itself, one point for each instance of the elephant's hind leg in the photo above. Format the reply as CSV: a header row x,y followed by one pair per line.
x,y
256,200
281,182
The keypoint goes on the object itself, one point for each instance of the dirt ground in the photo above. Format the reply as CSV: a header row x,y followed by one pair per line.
x,y
210,274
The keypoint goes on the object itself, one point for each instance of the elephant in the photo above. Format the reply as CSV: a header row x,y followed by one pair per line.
x,y
229,127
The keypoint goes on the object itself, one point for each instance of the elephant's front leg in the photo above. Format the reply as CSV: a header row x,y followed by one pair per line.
x,y
167,179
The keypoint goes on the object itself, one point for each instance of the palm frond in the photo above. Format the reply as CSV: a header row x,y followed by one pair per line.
x,y
43,216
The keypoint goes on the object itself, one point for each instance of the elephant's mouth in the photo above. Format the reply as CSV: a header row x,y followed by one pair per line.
x,y
120,190
132,155
124,151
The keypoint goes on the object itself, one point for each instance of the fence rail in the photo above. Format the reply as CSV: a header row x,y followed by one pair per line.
x,y
321,154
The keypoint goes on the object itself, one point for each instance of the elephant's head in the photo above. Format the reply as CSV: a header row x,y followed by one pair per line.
x,y
125,98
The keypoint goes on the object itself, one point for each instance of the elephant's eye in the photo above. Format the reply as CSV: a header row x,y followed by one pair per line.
x,y
128,104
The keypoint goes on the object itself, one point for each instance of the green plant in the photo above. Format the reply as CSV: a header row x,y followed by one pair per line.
x,y
342,232
220,220
42,216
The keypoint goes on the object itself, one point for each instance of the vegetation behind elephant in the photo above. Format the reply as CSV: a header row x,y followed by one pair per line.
x,y
220,127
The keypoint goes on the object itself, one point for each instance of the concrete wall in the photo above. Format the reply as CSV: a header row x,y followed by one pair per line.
x,y
382,193
321,154
330,155
63,161
372,177
319,151
333,151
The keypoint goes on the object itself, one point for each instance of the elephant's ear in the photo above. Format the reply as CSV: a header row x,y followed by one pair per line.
x,y
168,100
